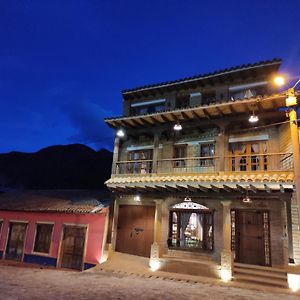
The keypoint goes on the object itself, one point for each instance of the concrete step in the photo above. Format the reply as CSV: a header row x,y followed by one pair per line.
x,y
194,260
261,280
188,254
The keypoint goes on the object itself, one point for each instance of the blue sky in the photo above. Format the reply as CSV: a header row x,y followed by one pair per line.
x,y
63,63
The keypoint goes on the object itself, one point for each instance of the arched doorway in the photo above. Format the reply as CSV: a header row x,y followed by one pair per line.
x,y
190,227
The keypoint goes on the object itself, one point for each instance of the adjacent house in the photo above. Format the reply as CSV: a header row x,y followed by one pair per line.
x,y
203,177
65,228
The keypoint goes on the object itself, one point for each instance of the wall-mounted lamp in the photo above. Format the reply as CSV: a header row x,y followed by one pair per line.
x,y
120,132
137,198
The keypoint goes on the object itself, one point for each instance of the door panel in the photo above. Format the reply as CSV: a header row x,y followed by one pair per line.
x,y
16,240
135,229
73,247
250,237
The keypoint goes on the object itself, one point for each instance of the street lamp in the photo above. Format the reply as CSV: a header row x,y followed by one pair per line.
x,y
291,103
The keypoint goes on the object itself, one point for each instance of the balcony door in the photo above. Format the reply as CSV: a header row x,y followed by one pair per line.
x,y
248,157
140,161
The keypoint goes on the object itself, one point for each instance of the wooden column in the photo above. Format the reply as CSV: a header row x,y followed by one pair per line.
x,y
226,255
155,152
290,230
222,147
115,155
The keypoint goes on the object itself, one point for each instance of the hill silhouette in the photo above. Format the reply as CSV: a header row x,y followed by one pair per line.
x,y
74,166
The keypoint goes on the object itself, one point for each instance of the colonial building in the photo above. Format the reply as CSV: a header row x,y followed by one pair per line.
x,y
203,176
64,229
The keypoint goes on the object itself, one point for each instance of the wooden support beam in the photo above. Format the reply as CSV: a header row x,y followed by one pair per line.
x,y
196,116
165,118
155,120
185,116
203,188
220,112
171,188
150,188
281,188
125,123
160,188
206,113
253,188
260,108
267,188
192,188
215,188
228,189
140,188
240,188
146,121
181,188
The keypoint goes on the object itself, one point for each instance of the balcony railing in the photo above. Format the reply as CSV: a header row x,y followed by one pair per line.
x,y
210,164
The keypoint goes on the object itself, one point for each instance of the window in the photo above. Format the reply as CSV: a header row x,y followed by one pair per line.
x,y
191,227
141,161
180,151
251,156
43,238
147,107
207,151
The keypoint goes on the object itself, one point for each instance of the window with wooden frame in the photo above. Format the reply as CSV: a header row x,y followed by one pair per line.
x,y
141,161
43,237
248,156
180,151
207,151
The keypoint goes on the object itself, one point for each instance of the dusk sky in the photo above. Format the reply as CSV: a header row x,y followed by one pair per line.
x,y
63,63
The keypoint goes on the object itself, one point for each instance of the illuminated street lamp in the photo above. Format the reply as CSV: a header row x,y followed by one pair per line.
x,y
291,103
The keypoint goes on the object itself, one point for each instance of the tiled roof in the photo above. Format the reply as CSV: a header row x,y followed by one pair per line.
x,y
230,177
62,201
275,61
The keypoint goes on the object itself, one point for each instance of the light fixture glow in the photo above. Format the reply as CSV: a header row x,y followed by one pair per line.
x,y
137,198
279,80
294,282
253,119
154,265
247,199
225,274
120,133
291,101
177,126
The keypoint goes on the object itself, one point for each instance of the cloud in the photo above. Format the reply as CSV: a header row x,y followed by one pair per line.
x,y
87,117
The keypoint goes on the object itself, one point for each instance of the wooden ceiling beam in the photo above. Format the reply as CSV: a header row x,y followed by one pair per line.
x,y
171,188
147,122
196,115
160,188
165,118
185,116
181,188
220,112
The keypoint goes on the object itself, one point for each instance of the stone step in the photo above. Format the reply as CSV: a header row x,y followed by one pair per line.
x,y
189,260
189,254
261,280
263,273
255,267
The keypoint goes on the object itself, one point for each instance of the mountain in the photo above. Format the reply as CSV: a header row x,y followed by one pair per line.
x,y
72,166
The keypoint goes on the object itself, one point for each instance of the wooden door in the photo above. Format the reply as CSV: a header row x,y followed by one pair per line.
x,y
73,247
16,240
135,229
250,237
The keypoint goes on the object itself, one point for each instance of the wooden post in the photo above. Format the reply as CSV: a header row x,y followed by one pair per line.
x,y
115,155
222,147
296,156
155,152
226,255
290,230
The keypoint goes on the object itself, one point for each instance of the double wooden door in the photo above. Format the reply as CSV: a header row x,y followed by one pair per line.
x,y
135,229
73,247
252,237
16,240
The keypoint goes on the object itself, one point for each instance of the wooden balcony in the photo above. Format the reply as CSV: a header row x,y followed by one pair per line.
x,y
267,162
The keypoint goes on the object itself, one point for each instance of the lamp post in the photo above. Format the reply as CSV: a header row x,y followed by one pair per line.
x,y
291,103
